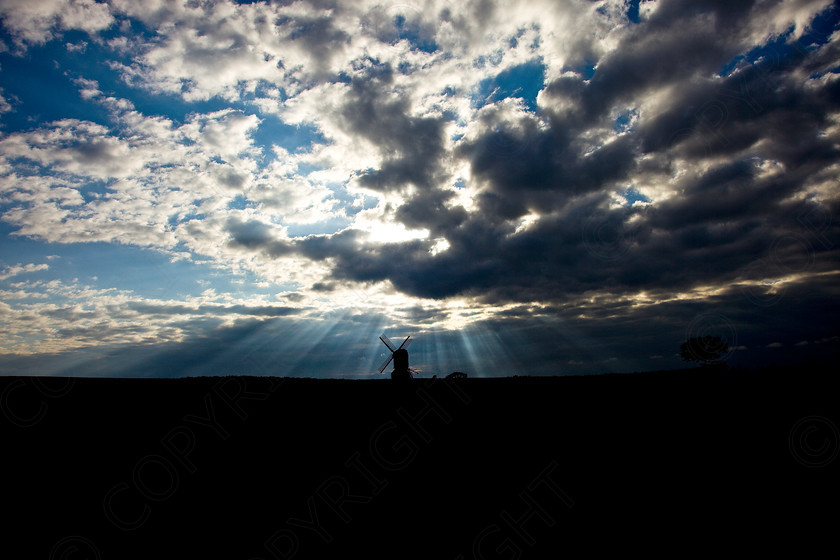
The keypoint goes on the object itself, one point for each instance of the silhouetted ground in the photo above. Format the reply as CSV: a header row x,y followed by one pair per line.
x,y
244,467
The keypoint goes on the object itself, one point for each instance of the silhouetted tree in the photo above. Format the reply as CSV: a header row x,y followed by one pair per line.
x,y
704,349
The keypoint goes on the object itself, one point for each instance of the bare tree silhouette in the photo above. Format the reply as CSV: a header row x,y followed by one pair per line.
x,y
704,349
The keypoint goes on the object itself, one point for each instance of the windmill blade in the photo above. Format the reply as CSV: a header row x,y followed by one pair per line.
x,y
387,342
388,361
406,342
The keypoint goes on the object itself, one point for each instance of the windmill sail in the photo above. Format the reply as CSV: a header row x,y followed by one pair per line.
x,y
387,341
388,361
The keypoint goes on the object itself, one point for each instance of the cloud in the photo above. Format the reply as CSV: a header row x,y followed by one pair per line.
x,y
38,22
410,146
17,269
556,169
558,159
54,315
5,106
562,167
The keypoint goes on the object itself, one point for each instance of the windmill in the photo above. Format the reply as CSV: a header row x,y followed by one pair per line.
x,y
400,357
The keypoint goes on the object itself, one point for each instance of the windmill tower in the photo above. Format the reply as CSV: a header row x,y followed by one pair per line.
x,y
400,357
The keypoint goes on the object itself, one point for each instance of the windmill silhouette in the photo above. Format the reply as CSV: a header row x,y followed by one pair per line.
x,y
400,357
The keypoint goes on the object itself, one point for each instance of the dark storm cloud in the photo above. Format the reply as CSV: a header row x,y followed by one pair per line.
x,y
144,308
483,258
587,248
681,40
395,22
429,209
254,235
250,234
765,101
318,36
726,215
543,171
411,146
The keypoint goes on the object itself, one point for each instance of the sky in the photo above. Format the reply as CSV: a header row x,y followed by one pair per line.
x,y
529,187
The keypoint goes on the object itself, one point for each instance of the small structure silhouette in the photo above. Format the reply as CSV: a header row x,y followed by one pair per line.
x,y
400,356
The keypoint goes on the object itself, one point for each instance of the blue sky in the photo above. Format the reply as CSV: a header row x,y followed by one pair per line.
x,y
525,187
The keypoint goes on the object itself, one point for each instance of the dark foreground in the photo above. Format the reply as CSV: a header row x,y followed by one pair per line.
x,y
478,468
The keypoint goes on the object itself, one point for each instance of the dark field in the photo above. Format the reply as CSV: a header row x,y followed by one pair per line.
x,y
237,467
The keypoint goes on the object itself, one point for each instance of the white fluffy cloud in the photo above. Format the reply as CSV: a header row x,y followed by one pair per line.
x,y
5,106
10,271
38,22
